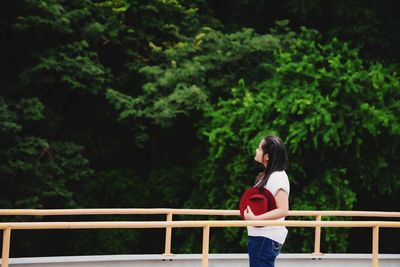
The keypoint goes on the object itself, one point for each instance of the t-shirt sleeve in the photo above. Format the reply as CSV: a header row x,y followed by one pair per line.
x,y
278,180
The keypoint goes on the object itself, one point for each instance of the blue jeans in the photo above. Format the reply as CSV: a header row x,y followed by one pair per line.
x,y
262,251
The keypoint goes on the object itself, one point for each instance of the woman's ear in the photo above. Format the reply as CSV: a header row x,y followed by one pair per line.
x,y
266,157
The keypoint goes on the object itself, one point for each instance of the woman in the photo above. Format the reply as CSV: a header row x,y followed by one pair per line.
x,y
265,242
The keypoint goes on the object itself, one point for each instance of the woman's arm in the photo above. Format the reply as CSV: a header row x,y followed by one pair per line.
x,y
282,209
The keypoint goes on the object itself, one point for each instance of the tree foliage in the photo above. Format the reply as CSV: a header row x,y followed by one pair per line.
x,y
321,98
35,171
368,25
121,103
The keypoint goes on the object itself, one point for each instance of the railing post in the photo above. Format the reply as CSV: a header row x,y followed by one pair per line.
x,y
317,239
168,236
375,246
6,247
206,241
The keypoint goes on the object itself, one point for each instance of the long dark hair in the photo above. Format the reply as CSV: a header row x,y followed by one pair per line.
x,y
277,159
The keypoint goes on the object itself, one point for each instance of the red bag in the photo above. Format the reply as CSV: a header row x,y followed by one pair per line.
x,y
259,202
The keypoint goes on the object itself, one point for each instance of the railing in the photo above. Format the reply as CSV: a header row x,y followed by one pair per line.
x,y
206,225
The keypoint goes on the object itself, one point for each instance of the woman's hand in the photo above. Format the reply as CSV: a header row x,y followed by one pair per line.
x,y
249,215
282,210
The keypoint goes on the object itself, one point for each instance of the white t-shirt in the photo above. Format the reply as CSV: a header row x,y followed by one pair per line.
x,y
277,180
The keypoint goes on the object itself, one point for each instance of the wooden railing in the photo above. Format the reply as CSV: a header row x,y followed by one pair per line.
x,y
206,225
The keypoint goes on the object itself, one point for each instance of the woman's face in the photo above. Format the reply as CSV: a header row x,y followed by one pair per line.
x,y
260,156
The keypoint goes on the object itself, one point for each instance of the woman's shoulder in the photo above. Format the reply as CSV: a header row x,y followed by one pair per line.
x,y
278,175
278,180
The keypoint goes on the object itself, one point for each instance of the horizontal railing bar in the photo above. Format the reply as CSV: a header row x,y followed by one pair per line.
x,y
344,213
159,211
127,211
185,224
47,212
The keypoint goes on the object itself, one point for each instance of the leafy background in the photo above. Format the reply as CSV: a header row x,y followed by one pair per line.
x,y
127,103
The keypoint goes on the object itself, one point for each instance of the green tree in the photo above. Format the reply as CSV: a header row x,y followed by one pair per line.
x,y
369,25
110,103
36,172
58,59
333,110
